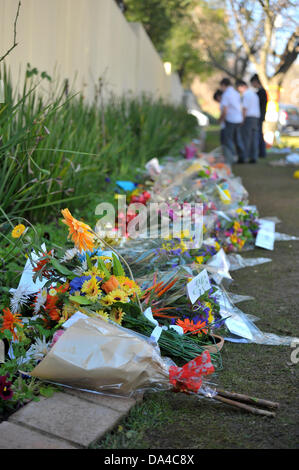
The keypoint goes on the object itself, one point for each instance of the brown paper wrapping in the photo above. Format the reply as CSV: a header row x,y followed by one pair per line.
x,y
96,355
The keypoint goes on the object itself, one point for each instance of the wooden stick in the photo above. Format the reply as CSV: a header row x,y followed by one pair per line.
x,y
248,408
248,399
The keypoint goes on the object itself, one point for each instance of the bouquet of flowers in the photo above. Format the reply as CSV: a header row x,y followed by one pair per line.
x,y
241,230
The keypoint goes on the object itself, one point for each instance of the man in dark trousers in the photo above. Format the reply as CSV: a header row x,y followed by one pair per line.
x,y
251,114
262,94
232,118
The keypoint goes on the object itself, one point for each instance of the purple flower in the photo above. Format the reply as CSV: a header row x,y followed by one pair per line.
x,y
6,392
219,323
77,283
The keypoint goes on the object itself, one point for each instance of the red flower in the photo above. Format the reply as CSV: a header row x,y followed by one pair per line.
x,y
41,265
10,321
195,329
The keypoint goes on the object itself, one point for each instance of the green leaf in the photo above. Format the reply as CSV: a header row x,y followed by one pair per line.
x,y
47,391
104,269
60,268
118,270
89,263
80,300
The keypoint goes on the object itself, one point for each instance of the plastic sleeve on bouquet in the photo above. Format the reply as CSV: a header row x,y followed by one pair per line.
x,y
101,356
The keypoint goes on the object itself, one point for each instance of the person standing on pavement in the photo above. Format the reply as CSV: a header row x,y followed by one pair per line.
x,y
231,116
262,94
217,97
251,115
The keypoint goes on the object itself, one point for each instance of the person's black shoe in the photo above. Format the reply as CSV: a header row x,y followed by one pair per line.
x,y
252,161
240,161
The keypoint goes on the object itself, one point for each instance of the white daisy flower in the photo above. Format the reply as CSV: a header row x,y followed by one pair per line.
x,y
81,269
39,349
69,255
40,300
19,297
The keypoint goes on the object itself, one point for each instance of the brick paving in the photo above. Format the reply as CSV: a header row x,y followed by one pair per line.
x,y
68,420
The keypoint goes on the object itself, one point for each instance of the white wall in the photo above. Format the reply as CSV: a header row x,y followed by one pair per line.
x,y
86,39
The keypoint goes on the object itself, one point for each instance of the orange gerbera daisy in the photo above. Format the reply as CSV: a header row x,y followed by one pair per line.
x,y
195,329
80,232
10,321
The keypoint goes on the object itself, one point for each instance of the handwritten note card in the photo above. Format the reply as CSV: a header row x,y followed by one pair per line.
x,y
198,286
266,234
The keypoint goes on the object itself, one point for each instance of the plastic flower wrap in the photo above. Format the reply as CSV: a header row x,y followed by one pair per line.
x,y
99,356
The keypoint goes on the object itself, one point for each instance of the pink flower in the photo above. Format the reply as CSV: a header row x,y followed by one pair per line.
x,y
56,337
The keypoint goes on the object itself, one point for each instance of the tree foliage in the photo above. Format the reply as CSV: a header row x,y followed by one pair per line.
x,y
172,27
268,32
157,16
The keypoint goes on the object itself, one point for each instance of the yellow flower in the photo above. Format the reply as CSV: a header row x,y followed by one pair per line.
x,y
183,246
91,289
234,238
18,231
241,211
211,316
118,295
199,259
225,196
296,174
107,261
106,301
217,246
237,226
117,315
104,315
128,285
94,271
185,233
241,242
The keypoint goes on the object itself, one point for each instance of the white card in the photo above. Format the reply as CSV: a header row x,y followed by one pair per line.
x,y
266,234
198,286
153,167
28,273
74,318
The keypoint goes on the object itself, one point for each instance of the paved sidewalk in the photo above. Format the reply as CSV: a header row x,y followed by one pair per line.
x,y
68,420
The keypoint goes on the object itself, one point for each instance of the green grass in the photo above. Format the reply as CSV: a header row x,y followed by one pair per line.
x,y
212,138
59,152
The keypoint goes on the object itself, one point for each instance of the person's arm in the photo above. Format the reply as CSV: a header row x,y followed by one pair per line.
x,y
223,113
223,108
244,106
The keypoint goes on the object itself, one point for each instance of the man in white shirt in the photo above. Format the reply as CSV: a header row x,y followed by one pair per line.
x,y
251,114
231,115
